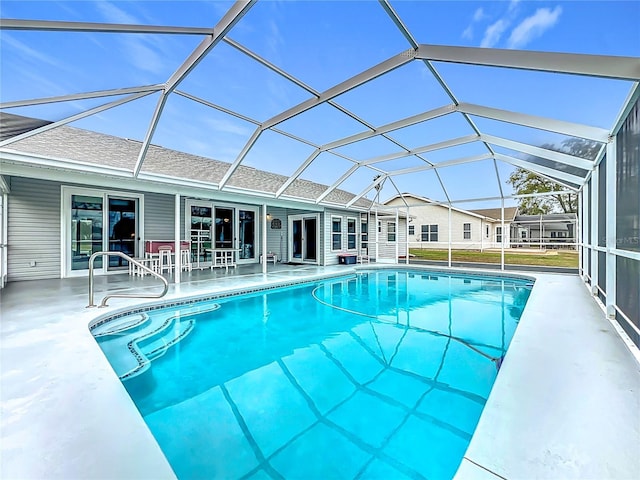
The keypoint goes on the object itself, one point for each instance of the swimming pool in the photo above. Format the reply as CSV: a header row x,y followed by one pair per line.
x,y
382,374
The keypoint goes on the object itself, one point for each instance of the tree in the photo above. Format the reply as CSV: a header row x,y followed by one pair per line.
x,y
525,181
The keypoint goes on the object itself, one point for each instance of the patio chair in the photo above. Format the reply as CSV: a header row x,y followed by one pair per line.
x,y
166,262
185,260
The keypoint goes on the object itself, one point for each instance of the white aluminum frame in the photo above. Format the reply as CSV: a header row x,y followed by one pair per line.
x,y
600,66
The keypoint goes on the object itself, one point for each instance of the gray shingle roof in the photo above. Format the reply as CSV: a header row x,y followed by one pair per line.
x,y
70,143
496,214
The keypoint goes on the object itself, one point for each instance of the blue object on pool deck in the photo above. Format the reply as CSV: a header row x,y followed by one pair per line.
x,y
379,375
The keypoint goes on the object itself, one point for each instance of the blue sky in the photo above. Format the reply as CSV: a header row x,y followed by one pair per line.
x,y
322,44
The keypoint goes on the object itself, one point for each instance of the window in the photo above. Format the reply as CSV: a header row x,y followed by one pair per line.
x,y
351,233
523,234
433,237
499,234
486,235
412,229
336,233
379,226
391,231
553,234
466,231
364,234
429,233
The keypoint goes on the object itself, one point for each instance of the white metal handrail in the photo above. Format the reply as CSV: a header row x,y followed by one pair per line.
x,y
122,295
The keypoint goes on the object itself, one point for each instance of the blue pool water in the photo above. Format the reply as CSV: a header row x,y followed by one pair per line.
x,y
382,374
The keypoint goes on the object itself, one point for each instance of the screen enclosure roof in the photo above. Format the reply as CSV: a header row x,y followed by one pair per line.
x,y
335,103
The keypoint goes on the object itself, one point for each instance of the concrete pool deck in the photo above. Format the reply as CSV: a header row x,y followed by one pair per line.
x,y
566,403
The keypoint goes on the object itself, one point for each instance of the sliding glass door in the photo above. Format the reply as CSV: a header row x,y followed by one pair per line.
x,y
247,238
86,231
99,221
303,239
223,227
123,229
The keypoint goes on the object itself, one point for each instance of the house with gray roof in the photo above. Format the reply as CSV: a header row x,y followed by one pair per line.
x,y
71,193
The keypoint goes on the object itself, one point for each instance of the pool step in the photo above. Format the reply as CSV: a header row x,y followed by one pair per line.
x,y
133,342
157,343
120,326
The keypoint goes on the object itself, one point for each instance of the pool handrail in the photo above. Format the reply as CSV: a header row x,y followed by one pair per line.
x,y
123,295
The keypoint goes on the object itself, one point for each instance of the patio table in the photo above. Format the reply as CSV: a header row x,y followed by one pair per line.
x,y
223,257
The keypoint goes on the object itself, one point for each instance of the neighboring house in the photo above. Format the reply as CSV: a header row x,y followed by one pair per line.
x,y
66,193
388,241
470,229
555,230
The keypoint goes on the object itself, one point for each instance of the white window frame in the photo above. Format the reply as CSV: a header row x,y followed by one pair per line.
x,y
430,231
335,233
364,233
466,232
391,230
352,236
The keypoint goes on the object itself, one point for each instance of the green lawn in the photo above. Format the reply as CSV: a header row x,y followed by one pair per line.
x,y
553,259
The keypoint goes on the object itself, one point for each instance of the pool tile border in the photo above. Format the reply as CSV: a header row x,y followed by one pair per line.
x,y
176,302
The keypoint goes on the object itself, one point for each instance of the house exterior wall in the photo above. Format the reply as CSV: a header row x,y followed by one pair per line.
x,y
34,218
277,239
387,248
330,255
159,216
33,229
438,215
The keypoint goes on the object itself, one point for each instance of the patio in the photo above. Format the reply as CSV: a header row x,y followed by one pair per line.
x,y
563,389
255,125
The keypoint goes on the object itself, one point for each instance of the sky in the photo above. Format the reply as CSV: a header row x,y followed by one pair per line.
x,y
322,43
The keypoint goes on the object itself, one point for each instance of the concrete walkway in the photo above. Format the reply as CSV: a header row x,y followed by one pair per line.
x,y
565,405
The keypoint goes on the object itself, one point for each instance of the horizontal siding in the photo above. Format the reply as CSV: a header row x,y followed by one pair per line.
x,y
33,229
33,226
159,215
386,249
277,240
330,255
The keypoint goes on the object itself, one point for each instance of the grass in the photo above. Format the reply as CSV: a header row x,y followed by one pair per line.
x,y
550,259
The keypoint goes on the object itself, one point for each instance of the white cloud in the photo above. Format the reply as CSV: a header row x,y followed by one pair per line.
x,y
493,33
26,51
534,26
220,125
114,14
479,15
144,57
274,38
142,51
